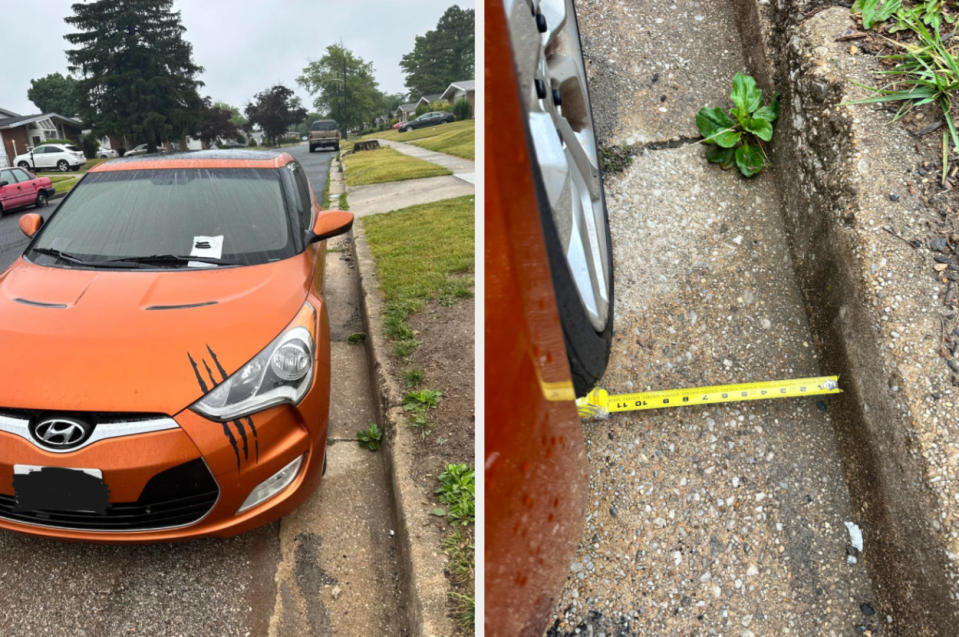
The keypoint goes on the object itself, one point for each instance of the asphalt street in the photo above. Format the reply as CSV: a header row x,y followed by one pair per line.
x,y
12,241
205,587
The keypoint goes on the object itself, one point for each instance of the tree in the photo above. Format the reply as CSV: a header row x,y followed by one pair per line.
x,y
136,73
392,101
443,55
235,116
55,93
275,110
346,87
216,121
462,109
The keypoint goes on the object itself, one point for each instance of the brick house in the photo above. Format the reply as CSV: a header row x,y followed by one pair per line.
x,y
19,133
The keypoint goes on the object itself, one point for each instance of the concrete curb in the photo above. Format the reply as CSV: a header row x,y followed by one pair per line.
x,y
425,579
834,168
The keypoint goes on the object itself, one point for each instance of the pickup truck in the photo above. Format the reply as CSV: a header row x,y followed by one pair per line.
x,y
324,132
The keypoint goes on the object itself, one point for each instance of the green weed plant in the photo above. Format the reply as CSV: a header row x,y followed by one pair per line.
x,y
737,136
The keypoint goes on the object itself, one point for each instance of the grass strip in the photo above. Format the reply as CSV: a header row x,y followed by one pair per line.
x,y
62,184
456,138
386,164
422,253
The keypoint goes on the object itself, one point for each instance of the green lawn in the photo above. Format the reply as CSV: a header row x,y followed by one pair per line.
x,y
456,138
386,164
63,183
422,253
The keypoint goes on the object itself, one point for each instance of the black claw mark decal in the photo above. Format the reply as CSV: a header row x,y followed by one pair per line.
x,y
216,361
209,372
256,441
236,451
240,422
239,427
197,372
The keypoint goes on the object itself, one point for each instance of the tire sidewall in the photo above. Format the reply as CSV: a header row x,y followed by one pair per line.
x,y
587,349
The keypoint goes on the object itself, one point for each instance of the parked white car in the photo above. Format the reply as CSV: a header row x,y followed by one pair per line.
x,y
63,157
137,150
107,153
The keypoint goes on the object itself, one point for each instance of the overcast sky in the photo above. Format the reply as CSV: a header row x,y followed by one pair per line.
x,y
244,46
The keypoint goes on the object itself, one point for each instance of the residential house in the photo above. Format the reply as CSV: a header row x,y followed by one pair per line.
x,y
19,133
429,99
405,111
457,90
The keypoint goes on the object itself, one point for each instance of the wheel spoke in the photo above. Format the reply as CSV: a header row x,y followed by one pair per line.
x,y
552,80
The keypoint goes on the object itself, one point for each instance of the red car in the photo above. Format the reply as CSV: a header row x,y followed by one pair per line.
x,y
19,188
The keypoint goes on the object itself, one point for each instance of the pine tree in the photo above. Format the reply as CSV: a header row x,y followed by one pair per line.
x,y
136,73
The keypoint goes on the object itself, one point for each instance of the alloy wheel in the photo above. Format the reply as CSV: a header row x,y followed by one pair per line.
x,y
552,80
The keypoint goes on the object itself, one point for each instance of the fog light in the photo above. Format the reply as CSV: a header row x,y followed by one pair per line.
x,y
272,485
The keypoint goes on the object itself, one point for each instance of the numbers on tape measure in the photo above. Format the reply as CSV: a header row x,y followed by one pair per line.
x,y
604,403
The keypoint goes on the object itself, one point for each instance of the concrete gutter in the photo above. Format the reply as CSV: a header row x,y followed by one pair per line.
x,y
422,565
872,303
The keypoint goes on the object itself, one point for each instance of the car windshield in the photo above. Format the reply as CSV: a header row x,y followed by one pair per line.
x,y
325,125
154,218
71,147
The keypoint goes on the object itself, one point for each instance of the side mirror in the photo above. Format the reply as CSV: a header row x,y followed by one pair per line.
x,y
330,223
3,183
30,223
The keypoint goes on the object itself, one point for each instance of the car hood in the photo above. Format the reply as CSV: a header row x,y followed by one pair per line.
x,y
122,341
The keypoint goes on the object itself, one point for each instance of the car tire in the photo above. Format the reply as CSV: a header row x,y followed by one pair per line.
x,y
576,233
24,165
41,199
63,166
312,148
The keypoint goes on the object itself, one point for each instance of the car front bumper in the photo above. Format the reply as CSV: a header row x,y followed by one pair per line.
x,y
187,481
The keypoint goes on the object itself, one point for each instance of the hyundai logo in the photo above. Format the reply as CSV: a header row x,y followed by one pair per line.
x,y
61,433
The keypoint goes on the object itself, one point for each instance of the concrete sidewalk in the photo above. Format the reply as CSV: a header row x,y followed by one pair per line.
x,y
463,169
394,195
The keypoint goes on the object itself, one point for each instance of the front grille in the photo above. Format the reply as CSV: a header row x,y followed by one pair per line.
x,y
175,497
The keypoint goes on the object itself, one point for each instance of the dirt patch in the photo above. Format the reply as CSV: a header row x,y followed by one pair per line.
x,y
446,356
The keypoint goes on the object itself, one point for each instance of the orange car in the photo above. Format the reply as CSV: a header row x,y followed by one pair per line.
x,y
168,351
548,252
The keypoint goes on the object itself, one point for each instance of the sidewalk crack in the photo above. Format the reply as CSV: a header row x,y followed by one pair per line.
x,y
616,158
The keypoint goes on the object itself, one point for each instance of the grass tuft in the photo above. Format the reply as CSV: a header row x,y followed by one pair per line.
x,y
926,72
413,377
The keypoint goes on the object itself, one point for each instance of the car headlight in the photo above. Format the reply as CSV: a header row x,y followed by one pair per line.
x,y
281,373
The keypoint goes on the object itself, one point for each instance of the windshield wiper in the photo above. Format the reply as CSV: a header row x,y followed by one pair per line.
x,y
72,258
176,258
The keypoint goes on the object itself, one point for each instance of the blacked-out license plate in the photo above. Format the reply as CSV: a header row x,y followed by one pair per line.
x,y
60,489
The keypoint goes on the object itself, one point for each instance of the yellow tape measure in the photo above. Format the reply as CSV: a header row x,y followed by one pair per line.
x,y
599,404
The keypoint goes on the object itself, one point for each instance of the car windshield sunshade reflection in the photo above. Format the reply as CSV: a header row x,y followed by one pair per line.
x,y
169,218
